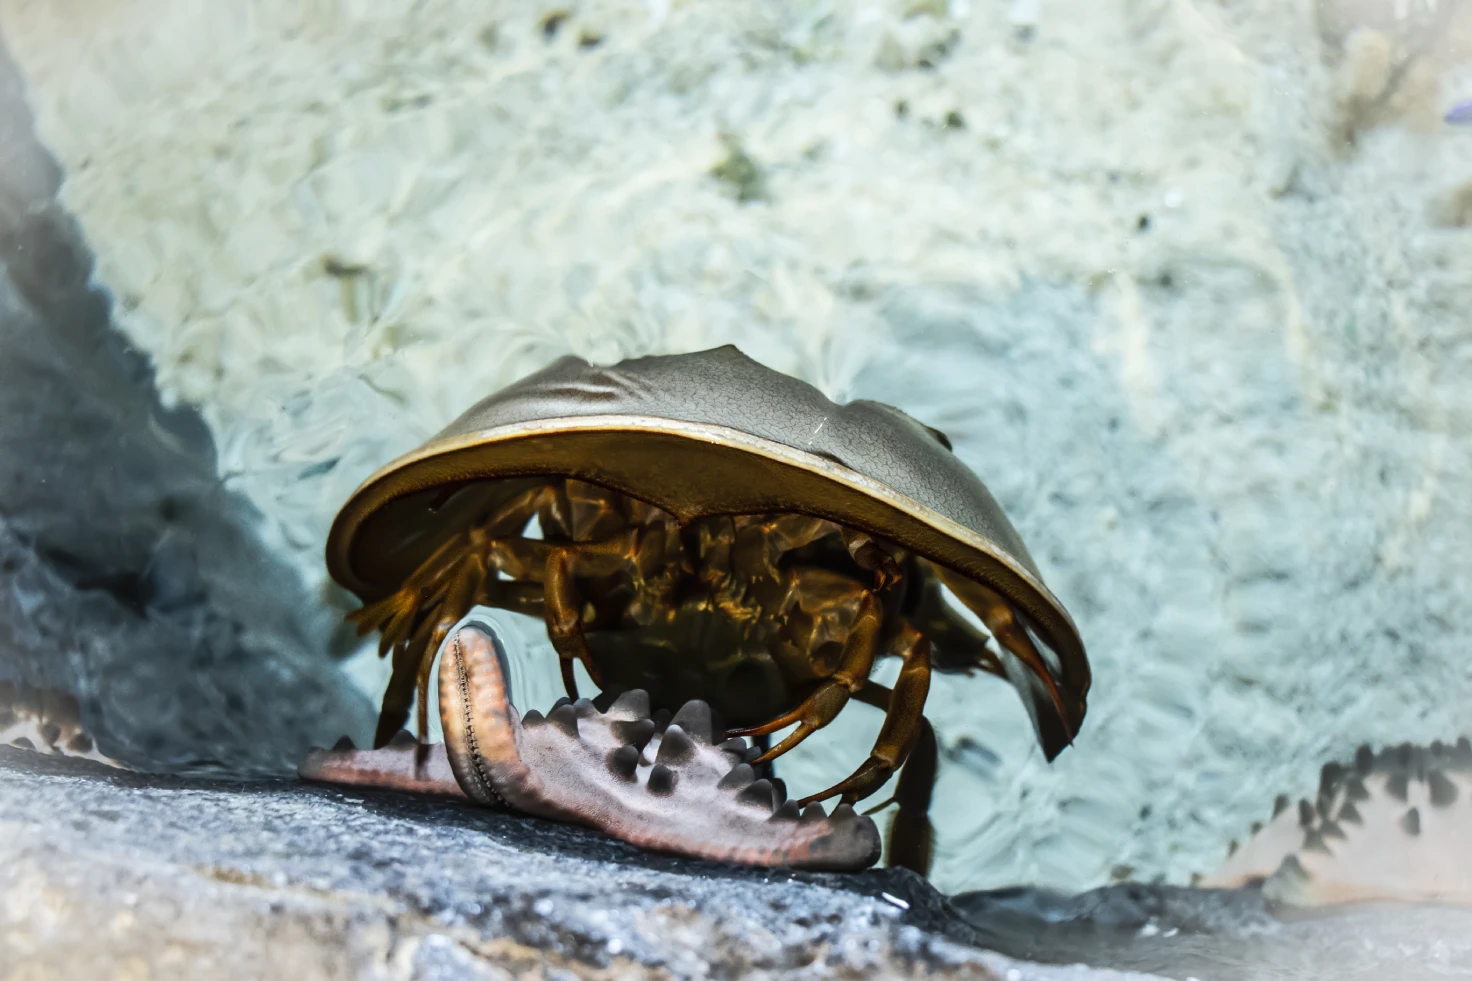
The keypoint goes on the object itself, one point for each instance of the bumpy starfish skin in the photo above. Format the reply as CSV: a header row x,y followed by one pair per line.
x,y
1394,825
47,722
668,791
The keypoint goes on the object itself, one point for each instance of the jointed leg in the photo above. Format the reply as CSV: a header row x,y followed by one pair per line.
x,y
872,557
397,614
824,704
911,839
457,603
516,595
563,610
956,641
414,655
414,619
762,540
903,719
1036,685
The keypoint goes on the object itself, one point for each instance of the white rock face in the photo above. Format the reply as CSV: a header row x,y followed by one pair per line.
x,y
1186,282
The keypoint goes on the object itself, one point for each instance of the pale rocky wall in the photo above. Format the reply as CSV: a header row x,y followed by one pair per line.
x,y
131,579
1186,281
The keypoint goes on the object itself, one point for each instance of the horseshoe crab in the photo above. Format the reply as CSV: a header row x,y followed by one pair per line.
x,y
712,529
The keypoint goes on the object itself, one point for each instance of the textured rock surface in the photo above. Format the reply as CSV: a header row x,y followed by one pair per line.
x,y
106,875
1218,935
129,576
1186,281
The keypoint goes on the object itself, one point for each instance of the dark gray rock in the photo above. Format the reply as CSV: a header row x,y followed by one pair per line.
x,y
129,576
180,877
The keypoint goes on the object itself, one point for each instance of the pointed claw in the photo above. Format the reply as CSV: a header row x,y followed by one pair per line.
x,y
798,735
766,728
395,631
343,744
787,812
864,781
813,813
879,807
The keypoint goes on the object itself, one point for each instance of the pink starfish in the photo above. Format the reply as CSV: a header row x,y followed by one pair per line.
x,y
669,791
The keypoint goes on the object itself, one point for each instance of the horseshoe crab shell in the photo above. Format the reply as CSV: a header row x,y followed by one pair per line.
x,y
712,432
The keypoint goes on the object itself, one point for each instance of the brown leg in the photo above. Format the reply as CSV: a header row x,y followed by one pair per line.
x,y
872,557
762,540
398,614
436,595
1036,684
901,722
957,644
518,596
824,704
563,610
399,695
457,603
414,656
465,584
911,839
416,618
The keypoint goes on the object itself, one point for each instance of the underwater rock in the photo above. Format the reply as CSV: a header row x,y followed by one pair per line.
x,y
132,583
184,878
1221,934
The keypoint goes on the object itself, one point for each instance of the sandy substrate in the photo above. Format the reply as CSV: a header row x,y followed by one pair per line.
x,y
1185,281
